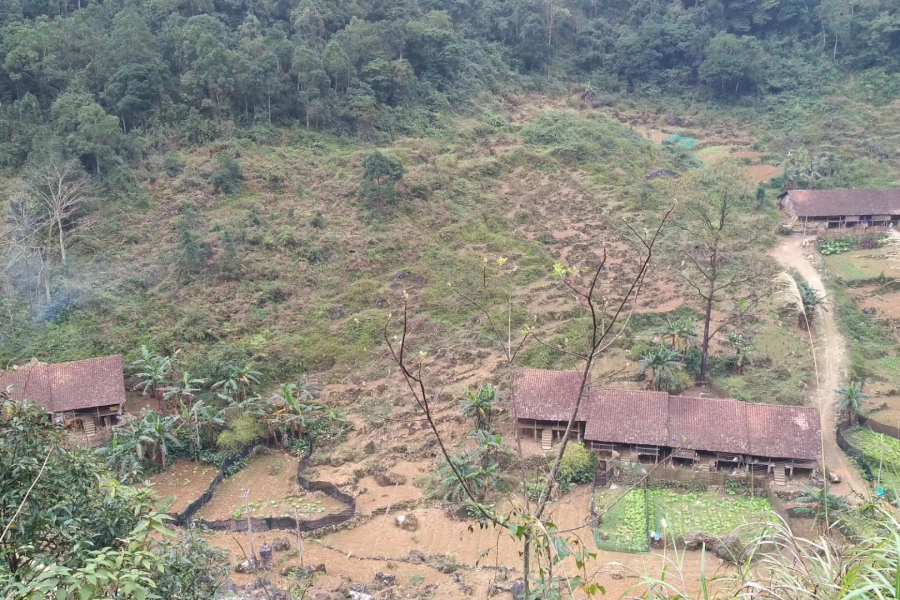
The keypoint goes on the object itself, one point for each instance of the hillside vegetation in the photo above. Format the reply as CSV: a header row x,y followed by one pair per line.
x,y
223,145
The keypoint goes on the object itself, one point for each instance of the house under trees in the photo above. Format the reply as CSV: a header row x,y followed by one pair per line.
x,y
820,210
84,394
647,427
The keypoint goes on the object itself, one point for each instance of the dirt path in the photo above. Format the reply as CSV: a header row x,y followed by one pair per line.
x,y
832,361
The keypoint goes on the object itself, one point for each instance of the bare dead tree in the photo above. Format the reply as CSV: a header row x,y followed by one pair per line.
x,y
538,536
59,188
713,244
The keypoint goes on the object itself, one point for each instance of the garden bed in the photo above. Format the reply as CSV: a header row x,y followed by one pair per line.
x,y
274,491
706,512
183,483
624,527
878,450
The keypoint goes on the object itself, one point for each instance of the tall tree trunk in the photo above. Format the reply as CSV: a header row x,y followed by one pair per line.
x,y
62,245
704,357
47,284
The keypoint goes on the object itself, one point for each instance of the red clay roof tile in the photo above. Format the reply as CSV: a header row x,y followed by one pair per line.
x,y
657,419
69,386
836,203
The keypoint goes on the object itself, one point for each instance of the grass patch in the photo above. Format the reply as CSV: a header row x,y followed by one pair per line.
x,y
779,373
873,349
891,368
858,266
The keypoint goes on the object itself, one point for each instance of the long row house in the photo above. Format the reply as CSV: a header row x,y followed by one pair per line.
x,y
861,210
647,427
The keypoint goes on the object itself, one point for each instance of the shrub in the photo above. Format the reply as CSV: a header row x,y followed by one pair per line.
x,y
692,361
241,432
173,164
318,221
578,464
682,380
218,361
380,177
228,174
276,467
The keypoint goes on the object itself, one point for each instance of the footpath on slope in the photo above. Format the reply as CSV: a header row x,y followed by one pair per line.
x,y
831,356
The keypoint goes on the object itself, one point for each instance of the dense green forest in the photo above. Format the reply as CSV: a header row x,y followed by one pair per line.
x,y
99,81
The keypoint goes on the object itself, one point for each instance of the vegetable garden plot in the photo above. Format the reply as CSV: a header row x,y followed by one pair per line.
x,y
274,491
623,524
182,483
881,453
860,265
710,514
624,528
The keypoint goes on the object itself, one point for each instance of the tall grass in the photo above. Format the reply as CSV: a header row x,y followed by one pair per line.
x,y
779,565
892,243
789,293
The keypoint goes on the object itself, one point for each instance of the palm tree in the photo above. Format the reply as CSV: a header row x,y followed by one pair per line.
x,y
238,383
660,361
290,406
153,371
196,417
851,397
122,456
478,478
488,445
479,406
681,331
743,346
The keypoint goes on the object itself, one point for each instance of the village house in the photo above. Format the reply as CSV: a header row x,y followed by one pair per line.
x,y
647,427
84,394
820,210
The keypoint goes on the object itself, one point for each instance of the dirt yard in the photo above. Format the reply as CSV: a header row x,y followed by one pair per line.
x,y
183,483
274,491
379,546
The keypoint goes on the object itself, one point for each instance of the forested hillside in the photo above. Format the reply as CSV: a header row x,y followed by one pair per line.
x,y
103,81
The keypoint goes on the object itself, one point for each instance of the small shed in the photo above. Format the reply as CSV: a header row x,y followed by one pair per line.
x,y
85,394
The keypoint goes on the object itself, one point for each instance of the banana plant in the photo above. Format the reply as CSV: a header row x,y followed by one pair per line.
x,y
153,371
185,390
235,387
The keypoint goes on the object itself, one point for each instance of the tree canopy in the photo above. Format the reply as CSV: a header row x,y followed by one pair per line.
x,y
92,79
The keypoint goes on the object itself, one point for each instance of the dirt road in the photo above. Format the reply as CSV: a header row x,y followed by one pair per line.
x,y
831,356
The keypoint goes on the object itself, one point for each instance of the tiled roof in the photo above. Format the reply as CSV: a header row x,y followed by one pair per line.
x,y
69,386
547,395
611,417
706,424
836,203
789,431
657,419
